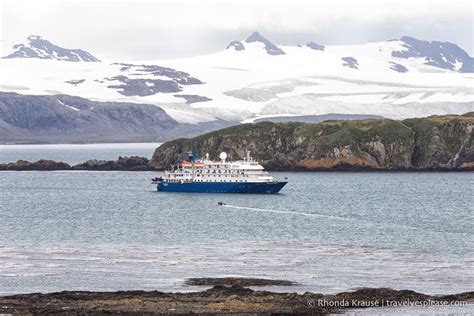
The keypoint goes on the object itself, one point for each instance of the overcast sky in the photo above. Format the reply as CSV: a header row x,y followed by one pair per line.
x,y
178,28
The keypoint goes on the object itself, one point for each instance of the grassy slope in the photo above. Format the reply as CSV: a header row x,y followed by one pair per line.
x,y
375,143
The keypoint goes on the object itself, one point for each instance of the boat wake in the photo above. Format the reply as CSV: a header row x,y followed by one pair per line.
x,y
316,215
266,210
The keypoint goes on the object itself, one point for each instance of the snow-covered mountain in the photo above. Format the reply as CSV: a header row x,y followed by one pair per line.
x,y
37,47
254,78
438,54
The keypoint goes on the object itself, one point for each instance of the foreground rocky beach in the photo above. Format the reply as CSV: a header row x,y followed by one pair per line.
x,y
229,298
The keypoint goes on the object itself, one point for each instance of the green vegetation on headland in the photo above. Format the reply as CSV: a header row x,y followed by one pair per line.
x,y
430,143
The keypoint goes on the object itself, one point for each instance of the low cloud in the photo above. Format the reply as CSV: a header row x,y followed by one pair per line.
x,y
168,29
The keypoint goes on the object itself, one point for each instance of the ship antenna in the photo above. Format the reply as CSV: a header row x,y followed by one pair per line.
x,y
192,155
195,154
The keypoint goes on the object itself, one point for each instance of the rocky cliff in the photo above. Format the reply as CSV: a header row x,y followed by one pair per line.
x,y
431,143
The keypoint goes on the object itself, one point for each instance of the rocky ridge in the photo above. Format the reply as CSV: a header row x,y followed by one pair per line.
x,y
431,143
443,55
65,119
38,47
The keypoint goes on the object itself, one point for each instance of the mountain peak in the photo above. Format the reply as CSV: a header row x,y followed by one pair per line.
x,y
443,55
38,47
255,37
271,48
34,37
407,38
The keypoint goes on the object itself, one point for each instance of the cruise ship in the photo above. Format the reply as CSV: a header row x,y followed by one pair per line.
x,y
204,175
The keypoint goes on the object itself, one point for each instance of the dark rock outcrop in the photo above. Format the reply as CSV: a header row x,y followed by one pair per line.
x,y
133,163
231,281
143,87
432,143
137,86
75,82
256,37
315,46
37,47
398,67
271,48
443,55
180,77
43,164
350,62
237,45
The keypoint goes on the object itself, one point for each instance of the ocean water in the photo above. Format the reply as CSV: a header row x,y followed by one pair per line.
x,y
330,232
75,153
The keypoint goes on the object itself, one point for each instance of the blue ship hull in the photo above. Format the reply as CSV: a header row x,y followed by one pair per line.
x,y
222,187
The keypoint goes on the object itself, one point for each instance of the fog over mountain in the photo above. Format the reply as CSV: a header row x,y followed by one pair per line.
x,y
149,30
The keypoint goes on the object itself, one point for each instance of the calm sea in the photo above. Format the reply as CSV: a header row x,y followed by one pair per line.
x,y
330,232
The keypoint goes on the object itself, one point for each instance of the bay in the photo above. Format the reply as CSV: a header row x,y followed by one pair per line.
x,y
329,231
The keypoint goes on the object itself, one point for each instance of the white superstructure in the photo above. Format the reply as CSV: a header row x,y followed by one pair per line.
x,y
205,170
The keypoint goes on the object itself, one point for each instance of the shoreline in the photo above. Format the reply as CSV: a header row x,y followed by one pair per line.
x,y
73,143
227,299
138,163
